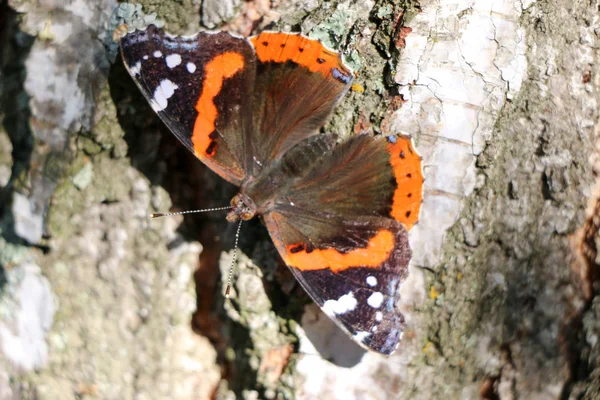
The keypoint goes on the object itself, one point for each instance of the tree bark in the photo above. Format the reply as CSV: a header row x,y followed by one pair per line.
x,y
501,99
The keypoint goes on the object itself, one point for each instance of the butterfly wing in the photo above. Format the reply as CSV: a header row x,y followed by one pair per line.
x,y
238,104
298,82
201,87
342,229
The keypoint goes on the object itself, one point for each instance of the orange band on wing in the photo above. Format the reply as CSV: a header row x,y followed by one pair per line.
x,y
281,47
409,178
378,250
222,67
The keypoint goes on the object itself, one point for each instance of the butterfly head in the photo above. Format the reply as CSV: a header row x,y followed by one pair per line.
x,y
243,208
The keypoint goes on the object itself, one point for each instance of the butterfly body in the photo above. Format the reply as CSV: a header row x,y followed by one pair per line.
x,y
338,213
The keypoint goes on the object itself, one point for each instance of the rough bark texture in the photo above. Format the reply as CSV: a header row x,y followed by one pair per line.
x,y
98,301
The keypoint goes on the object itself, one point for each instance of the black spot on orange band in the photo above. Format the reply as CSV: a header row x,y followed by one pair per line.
x,y
296,249
211,148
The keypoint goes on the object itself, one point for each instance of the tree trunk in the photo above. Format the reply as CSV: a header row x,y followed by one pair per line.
x,y
96,300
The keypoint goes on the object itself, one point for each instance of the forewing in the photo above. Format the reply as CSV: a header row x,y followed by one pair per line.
x,y
298,83
201,88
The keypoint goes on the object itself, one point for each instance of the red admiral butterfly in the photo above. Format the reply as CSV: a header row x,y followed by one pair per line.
x,y
251,110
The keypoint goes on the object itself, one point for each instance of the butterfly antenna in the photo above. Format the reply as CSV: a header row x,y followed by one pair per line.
x,y
235,247
158,215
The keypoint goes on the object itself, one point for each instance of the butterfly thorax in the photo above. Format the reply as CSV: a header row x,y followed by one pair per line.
x,y
258,194
243,208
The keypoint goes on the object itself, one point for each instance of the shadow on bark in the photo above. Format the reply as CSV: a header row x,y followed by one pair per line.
x,y
14,100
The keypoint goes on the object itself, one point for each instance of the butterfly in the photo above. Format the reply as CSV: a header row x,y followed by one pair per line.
x,y
251,110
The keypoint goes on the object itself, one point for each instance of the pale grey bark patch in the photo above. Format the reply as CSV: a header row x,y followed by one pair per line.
x,y
28,306
215,13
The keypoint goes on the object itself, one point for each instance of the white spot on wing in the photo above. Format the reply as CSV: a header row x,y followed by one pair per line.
x,y
375,300
340,306
371,281
191,67
145,57
360,336
162,93
137,67
378,316
173,60
157,54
